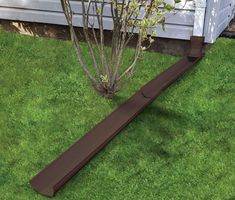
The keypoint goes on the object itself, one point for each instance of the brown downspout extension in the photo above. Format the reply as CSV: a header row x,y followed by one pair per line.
x,y
61,170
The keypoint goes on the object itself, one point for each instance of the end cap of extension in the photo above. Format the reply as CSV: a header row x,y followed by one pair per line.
x,y
46,191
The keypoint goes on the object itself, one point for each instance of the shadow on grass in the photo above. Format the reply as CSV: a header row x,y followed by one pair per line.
x,y
159,123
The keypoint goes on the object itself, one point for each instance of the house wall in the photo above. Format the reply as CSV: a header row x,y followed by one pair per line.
x,y
218,15
178,26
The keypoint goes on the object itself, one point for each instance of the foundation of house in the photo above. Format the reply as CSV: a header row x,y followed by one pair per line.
x,y
230,31
163,45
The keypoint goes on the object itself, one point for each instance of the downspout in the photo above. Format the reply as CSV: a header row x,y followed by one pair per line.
x,y
199,20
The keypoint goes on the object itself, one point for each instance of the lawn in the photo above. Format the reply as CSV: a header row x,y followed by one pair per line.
x,y
181,147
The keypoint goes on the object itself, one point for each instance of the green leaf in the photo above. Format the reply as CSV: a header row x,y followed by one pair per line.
x,y
177,1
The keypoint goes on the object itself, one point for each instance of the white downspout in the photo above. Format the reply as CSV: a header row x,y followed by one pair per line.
x,y
200,12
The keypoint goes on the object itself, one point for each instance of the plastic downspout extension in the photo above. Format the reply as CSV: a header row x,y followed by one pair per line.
x,y
55,175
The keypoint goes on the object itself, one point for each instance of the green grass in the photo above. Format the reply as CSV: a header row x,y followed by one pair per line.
x,y
181,147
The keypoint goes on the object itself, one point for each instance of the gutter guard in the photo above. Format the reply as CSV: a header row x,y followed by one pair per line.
x,y
61,170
